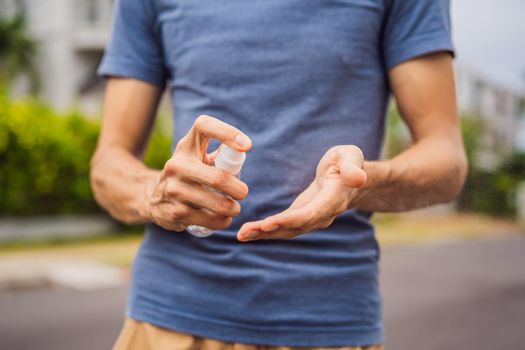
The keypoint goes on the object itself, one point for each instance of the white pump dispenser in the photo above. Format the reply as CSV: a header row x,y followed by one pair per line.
x,y
232,161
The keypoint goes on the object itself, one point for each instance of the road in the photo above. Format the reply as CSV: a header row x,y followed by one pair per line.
x,y
449,296
455,297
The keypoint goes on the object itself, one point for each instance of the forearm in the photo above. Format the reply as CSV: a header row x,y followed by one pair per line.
x,y
119,181
432,171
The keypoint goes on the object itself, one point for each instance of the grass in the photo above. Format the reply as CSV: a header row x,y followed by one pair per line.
x,y
68,242
116,249
406,229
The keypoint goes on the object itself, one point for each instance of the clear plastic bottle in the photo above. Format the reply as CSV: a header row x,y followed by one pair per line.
x,y
232,161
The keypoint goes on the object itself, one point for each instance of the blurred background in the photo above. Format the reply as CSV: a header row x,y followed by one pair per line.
x,y
453,276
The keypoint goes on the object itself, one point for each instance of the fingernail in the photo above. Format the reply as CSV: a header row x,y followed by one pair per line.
x,y
242,141
244,238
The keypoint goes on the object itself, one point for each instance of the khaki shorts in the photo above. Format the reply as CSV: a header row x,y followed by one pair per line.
x,y
137,335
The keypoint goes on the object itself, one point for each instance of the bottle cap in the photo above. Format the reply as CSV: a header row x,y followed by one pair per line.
x,y
230,160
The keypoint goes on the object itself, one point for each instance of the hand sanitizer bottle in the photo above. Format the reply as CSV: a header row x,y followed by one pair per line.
x,y
232,161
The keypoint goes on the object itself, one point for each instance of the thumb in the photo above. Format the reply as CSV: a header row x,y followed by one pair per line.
x,y
350,167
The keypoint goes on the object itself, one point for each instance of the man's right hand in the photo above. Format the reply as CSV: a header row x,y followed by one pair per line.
x,y
186,190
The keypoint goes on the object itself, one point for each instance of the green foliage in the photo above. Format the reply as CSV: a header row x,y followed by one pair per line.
x,y
397,136
472,128
494,193
44,159
159,147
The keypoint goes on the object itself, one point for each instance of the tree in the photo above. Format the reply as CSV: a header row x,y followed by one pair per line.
x,y
17,51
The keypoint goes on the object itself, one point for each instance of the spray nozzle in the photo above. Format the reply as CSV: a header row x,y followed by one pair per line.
x,y
230,159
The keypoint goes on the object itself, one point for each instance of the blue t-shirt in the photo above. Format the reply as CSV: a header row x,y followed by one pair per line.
x,y
298,77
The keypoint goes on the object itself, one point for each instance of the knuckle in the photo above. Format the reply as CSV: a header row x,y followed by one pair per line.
x,y
172,189
182,142
312,221
179,212
218,178
172,166
169,166
225,207
201,122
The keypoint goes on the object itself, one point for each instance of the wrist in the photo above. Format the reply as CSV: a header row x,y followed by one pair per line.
x,y
378,174
148,181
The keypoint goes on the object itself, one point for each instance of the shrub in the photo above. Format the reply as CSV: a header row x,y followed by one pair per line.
x,y
44,159
494,193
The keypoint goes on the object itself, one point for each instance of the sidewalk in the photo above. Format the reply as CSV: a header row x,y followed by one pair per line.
x,y
421,228
76,265
105,263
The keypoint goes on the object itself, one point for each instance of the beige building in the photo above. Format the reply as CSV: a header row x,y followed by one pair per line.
x,y
71,35
501,110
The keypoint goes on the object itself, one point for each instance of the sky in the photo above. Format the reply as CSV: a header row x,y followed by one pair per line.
x,y
489,36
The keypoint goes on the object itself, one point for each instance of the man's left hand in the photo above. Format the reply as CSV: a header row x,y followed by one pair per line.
x,y
339,173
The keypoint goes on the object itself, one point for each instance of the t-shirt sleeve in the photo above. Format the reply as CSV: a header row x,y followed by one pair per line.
x,y
135,48
414,28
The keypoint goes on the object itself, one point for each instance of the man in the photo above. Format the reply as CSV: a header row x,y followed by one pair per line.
x,y
303,85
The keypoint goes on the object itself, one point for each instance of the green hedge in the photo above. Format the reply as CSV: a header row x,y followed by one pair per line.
x,y
44,159
494,193
44,162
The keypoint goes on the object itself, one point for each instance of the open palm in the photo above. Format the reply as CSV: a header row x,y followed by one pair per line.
x,y
338,173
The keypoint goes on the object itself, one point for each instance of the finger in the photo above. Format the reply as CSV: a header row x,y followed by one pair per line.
x,y
259,225
209,159
352,175
171,226
350,167
248,228
301,200
176,216
206,127
324,205
268,226
208,219
253,231
201,197
169,215
254,235
192,170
